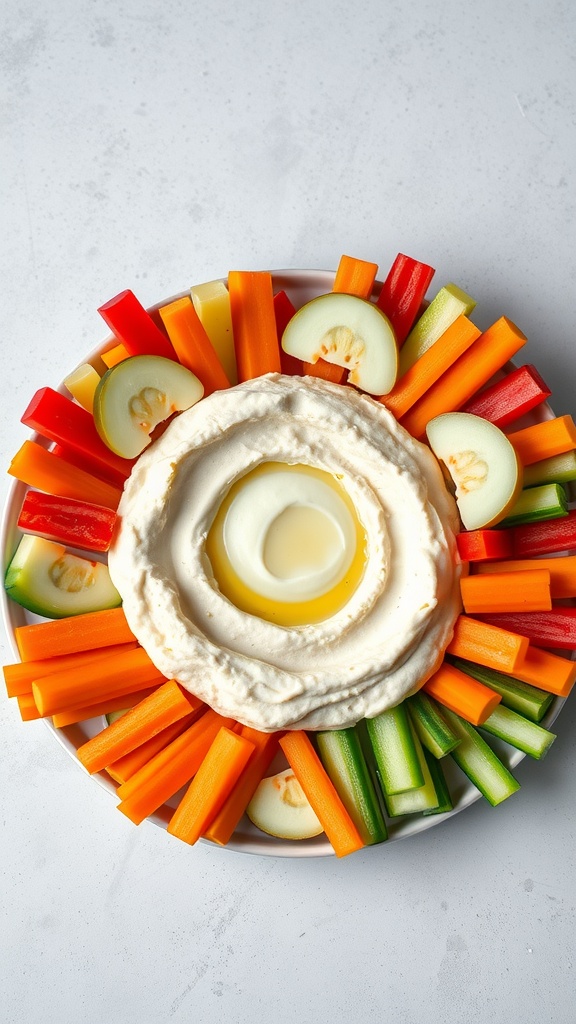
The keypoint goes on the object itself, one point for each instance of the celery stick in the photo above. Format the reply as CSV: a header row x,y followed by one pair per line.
x,y
432,729
342,756
392,742
521,733
548,501
479,762
559,469
450,303
524,698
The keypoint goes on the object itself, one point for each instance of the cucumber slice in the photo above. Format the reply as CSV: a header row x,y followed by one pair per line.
x,y
445,802
47,580
134,396
280,808
414,801
392,741
479,762
524,698
519,732
432,729
343,758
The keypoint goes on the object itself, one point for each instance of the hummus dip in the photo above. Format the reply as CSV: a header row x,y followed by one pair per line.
x,y
391,634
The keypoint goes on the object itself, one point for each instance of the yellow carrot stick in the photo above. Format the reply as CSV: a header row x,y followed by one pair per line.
x,y
254,323
160,709
469,373
465,696
214,780
507,592
544,440
355,277
487,645
46,471
321,793
426,370
562,571
82,384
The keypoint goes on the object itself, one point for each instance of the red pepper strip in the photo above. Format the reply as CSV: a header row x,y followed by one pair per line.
x,y
482,545
517,393
403,292
134,327
61,420
546,537
77,523
283,312
82,461
556,628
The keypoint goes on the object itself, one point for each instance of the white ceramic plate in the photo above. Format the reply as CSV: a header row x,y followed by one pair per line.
x,y
300,285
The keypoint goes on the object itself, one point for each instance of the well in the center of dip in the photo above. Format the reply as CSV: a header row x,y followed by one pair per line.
x,y
287,544
209,505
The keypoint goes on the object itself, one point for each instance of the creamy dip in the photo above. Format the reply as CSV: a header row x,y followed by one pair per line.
x,y
390,635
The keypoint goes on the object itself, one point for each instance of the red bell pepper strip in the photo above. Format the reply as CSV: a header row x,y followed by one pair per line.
x,y
283,312
79,524
546,537
134,327
82,461
555,628
513,396
61,420
403,292
483,545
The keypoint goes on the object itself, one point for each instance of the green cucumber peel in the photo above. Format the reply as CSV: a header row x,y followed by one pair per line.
x,y
520,732
392,741
548,501
343,758
479,762
414,801
524,698
431,727
445,802
559,469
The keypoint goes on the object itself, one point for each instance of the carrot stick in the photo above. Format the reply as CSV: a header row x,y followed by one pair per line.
x,y
562,571
326,371
108,678
507,592
254,323
355,277
487,645
222,826
545,439
192,344
126,766
468,374
170,769
227,757
47,471
89,631
27,707
547,671
465,696
115,355
105,707
426,370
163,707
320,792
19,677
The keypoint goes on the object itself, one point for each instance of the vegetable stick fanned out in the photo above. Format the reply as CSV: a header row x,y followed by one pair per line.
x,y
110,677
192,344
254,323
223,824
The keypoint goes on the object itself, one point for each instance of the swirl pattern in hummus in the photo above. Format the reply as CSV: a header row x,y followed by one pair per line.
x,y
381,646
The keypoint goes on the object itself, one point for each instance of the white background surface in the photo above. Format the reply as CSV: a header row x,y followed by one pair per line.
x,y
154,146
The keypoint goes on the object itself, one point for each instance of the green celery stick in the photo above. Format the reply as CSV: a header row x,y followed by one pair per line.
x,y
559,469
522,697
548,501
450,303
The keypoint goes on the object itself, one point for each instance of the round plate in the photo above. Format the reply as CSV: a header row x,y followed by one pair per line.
x,y
301,286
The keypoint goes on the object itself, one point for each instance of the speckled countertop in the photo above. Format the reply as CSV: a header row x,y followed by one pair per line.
x,y
157,145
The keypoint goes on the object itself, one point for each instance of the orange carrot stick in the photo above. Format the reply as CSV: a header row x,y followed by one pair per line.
x,y
465,696
71,635
19,677
507,592
487,645
544,440
192,344
222,826
27,707
547,671
105,707
170,769
254,323
355,277
326,371
426,370
162,708
108,678
122,769
320,792
227,757
47,471
115,355
562,571
469,373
